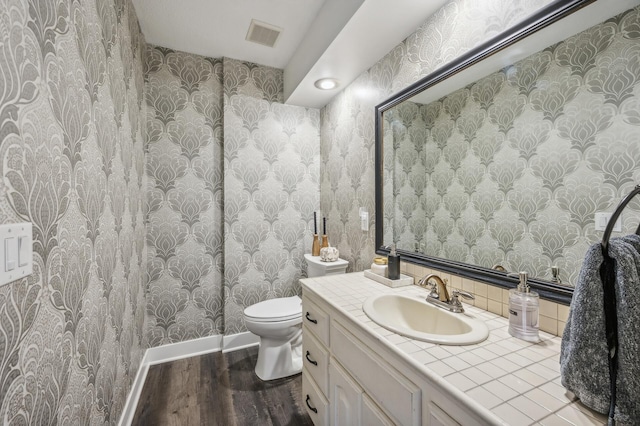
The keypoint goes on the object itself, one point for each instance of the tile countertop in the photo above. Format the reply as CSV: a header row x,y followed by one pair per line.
x,y
517,381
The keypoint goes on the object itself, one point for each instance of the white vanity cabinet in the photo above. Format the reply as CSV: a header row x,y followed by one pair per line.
x,y
344,382
349,378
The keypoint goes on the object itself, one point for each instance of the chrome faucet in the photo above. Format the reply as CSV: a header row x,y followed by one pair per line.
x,y
439,295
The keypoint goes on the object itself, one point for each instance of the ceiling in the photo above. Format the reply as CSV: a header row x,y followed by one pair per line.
x,y
320,38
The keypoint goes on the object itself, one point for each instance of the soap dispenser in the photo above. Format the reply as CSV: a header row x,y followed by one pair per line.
x,y
393,264
524,306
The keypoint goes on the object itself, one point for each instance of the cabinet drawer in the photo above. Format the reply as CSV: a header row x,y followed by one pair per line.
x,y
316,320
315,359
314,402
387,388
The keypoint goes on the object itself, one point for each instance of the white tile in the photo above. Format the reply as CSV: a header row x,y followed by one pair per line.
x,y
493,370
456,363
484,398
494,306
530,408
461,381
549,325
439,353
409,347
500,390
561,326
441,368
549,309
484,353
543,371
576,416
545,400
516,383
480,289
554,420
477,375
558,391
423,357
511,415
494,293
471,358
517,359
481,302
455,350
530,377
563,312
396,339
505,365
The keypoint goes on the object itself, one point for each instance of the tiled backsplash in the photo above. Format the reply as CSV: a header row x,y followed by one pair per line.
x,y
553,316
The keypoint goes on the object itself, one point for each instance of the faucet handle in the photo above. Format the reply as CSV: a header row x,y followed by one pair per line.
x,y
456,305
464,294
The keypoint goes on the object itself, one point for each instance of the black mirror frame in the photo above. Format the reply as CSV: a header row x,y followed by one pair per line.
x,y
545,16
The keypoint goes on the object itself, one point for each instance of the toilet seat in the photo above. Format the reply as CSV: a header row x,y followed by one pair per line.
x,y
275,310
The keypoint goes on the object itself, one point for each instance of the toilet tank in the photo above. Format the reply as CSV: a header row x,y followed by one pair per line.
x,y
318,268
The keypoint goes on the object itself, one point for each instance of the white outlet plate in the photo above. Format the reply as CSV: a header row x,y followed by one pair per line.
x,y
18,238
602,219
364,219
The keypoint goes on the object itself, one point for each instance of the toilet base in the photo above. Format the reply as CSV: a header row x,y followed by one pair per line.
x,y
277,360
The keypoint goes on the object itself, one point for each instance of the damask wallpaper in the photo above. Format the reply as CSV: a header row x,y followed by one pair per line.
x,y
184,196
271,188
347,122
71,116
511,169
239,194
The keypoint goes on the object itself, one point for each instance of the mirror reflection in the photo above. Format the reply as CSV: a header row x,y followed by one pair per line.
x,y
511,169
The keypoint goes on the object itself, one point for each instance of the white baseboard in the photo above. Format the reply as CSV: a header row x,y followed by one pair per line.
x,y
234,342
134,394
175,351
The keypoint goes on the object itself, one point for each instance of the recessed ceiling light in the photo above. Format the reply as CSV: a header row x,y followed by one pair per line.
x,y
326,83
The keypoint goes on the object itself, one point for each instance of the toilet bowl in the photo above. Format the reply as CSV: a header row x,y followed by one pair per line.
x,y
278,323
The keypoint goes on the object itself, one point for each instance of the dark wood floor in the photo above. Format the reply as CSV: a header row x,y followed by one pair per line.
x,y
219,389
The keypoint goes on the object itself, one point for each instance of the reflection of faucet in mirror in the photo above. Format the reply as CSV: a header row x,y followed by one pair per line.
x,y
555,275
498,267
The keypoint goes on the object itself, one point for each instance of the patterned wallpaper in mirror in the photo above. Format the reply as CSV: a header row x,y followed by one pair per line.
x,y
348,121
511,169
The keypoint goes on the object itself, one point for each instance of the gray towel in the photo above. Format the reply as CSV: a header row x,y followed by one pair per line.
x,y
583,356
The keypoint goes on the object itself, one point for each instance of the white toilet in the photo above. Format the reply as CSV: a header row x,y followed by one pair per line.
x,y
278,323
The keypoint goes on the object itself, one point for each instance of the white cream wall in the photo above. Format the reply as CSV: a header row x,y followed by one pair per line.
x,y
347,170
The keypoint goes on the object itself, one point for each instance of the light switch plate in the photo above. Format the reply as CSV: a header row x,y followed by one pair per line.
x,y
16,250
602,219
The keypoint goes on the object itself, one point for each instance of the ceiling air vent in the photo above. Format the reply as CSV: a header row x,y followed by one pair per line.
x,y
262,33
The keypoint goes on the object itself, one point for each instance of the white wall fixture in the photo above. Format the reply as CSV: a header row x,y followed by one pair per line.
x,y
602,220
16,251
364,219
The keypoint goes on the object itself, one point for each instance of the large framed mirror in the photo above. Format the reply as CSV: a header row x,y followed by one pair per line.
x,y
499,161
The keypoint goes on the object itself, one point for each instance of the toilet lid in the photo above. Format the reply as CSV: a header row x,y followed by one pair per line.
x,y
281,309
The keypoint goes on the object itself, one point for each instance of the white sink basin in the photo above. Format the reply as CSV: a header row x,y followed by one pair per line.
x,y
415,318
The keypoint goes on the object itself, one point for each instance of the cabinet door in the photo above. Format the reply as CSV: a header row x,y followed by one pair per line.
x,y
437,417
346,397
372,415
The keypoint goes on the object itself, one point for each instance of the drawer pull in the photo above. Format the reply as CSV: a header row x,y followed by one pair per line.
x,y
315,410
310,360
310,319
